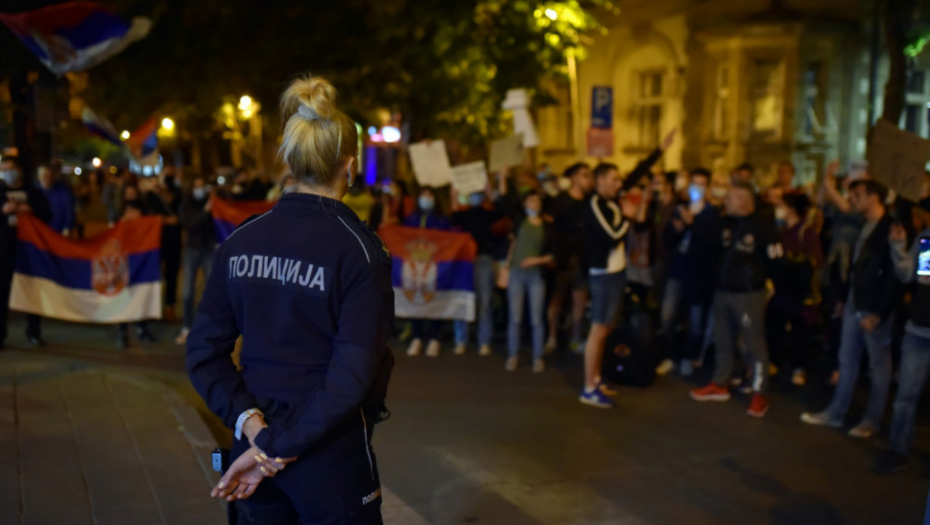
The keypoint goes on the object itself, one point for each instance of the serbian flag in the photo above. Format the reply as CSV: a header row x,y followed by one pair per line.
x,y
144,141
114,277
228,215
432,274
100,127
74,36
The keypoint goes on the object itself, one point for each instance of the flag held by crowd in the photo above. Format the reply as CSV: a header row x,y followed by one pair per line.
x,y
432,274
228,215
110,278
100,127
75,36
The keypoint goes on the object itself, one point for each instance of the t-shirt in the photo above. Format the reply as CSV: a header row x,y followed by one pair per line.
x,y
529,243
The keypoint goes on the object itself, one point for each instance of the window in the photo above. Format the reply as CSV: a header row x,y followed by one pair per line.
x,y
649,105
767,90
916,115
721,103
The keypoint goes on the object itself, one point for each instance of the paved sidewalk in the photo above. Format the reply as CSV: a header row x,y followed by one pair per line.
x,y
81,444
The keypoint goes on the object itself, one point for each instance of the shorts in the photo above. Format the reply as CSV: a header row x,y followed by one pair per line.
x,y
607,292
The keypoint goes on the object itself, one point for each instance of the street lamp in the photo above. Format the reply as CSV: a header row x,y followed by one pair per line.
x,y
245,102
167,124
96,162
124,135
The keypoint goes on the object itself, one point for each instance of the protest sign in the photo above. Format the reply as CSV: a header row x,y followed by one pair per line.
x,y
431,163
470,178
506,153
898,159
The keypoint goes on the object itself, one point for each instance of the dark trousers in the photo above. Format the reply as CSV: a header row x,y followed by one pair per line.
x,y
426,329
171,256
738,314
33,322
789,330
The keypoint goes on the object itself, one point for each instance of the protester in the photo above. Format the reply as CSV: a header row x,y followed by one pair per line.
x,y
566,211
692,232
427,216
873,292
792,312
360,200
478,219
163,197
199,243
60,199
394,205
529,253
113,194
750,249
17,198
912,267
134,207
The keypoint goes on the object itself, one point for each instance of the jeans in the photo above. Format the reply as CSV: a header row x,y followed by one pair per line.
x,y
741,314
878,345
673,302
912,376
194,259
484,294
522,283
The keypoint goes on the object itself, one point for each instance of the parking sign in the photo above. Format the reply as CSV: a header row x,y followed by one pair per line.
x,y
602,107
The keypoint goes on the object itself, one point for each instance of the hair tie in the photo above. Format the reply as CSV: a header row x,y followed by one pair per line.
x,y
307,113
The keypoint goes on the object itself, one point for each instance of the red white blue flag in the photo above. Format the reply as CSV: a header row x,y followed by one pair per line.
x,y
228,215
114,277
74,36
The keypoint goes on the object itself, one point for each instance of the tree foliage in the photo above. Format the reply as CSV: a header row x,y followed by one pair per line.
x,y
445,66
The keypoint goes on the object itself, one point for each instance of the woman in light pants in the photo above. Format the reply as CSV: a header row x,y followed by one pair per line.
x,y
530,252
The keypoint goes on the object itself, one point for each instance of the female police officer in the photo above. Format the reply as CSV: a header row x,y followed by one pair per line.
x,y
308,288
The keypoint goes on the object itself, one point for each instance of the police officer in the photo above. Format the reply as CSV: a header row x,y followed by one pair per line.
x,y
308,287
16,198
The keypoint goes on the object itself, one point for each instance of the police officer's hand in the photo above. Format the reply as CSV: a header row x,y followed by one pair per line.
x,y
241,479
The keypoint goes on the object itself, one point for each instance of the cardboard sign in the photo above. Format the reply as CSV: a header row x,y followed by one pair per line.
x,y
506,153
430,163
898,159
470,178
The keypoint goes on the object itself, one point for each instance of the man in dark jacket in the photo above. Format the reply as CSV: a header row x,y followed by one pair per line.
x,y
16,198
197,222
867,322
749,251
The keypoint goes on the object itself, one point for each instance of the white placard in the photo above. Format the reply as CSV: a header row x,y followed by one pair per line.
x,y
518,101
470,178
506,153
431,163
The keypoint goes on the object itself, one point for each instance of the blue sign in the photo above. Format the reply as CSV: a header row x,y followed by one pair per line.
x,y
602,107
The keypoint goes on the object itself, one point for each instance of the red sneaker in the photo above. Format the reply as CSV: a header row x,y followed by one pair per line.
x,y
711,392
759,406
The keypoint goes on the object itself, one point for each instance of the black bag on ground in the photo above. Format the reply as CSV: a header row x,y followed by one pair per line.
x,y
629,357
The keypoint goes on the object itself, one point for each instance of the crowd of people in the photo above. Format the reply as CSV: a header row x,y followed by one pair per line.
x,y
781,282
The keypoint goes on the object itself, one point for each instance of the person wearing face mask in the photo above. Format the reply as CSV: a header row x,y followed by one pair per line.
x,y
308,287
691,236
135,205
478,220
792,311
427,216
16,198
199,243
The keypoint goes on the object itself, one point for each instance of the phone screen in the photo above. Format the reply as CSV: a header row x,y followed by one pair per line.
x,y
923,257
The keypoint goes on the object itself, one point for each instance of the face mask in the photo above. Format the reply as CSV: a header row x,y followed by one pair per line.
x,y
9,176
695,193
427,203
781,214
199,193
476,199
532,213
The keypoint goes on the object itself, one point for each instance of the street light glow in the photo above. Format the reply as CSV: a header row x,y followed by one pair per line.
x,y
96,162
124,135
390,134
78,171
167,124
245,102
551,14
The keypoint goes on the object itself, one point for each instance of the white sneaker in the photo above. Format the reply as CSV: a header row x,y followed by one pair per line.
x,y
460,349
416,346
182,337
665,367
820,419
511,364
485,350
863,430
539,366
432,349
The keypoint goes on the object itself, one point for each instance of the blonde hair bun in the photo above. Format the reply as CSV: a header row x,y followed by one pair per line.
x,y
317,136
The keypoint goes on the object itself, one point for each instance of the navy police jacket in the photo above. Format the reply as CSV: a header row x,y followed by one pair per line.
x,y
308,287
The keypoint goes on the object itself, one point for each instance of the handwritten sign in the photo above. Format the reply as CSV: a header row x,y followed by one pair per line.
x,y
506,153
898,159
470,178
431,163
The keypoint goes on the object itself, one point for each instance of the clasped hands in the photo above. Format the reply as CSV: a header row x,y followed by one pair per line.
x,y
249,469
